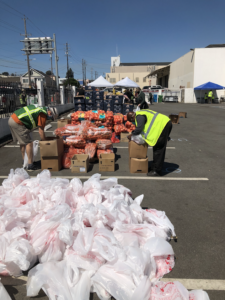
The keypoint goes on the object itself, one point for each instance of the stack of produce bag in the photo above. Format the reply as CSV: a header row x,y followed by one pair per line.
x,y
120,128
130,126
87,237
118,119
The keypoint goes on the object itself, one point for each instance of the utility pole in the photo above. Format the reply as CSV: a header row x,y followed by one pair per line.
x,y
56,62
51,64
84,70
91,73
96,74
67,55
28,62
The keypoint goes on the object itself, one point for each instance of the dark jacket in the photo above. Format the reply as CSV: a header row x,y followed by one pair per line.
x,y
141,100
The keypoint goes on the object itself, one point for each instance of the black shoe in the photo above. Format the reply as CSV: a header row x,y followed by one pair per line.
x,y
33,168
153,174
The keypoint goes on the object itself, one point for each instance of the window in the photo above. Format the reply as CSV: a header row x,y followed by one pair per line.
x,y
137,79
25,80
144,79
112,80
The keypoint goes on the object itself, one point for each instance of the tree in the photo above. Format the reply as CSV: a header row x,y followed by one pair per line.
x,y
70,73
71,81
5,73
12,74
48,73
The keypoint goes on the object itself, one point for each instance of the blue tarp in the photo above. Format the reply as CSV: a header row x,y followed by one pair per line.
x,y
209,86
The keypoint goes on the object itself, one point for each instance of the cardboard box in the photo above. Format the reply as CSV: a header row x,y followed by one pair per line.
x,y
79,100
53,147
182,114
79,107
138,165
107,162
63,122
51,163
137,151
110,97
99,93
89,101
90,107
89,88
80,163
174,118
88,94
123,137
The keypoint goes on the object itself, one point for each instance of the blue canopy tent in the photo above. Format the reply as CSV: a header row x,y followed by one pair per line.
x,y
209,86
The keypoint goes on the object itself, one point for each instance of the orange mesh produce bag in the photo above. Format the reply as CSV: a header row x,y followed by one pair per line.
x,y
130,126
103,144
75,141
68,155
118,119
119,128
90,149
99,133
99,151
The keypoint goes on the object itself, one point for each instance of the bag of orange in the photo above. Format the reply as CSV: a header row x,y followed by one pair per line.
x,y
104,144
120,128
118,119
68,155
90,149
75,141
99,151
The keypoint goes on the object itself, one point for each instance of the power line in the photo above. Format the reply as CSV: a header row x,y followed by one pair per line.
x,y
11,67
37,27
12,8
8,24
10,29
11,12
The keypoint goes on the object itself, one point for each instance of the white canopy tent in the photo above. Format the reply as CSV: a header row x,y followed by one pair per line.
x,y
100,82
127,83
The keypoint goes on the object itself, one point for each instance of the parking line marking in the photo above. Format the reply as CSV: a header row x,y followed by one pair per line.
x,y
129,177
17,146
45,131
148,147
200,284
190,284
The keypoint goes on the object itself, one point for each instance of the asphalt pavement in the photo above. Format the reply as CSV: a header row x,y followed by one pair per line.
x,y
191,191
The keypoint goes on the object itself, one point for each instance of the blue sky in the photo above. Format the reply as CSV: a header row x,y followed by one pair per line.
x,y
140,31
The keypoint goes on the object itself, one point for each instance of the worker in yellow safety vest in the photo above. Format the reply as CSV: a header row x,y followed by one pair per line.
x,y
23,98
206,97
210,95
155,129
22,122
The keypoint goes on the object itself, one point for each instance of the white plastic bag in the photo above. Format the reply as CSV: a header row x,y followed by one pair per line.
x,y
137,109
3,293
35,151
138,139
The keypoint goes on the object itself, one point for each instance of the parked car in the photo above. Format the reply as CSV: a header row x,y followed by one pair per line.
x,y
110,90
146,87
156,87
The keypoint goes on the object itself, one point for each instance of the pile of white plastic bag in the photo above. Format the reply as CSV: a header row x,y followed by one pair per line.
x,y
87,237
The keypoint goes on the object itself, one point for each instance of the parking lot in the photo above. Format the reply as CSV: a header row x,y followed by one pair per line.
x,y
191,192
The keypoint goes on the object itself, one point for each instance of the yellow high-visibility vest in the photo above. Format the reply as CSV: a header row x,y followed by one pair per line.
x,y
154,126
210,94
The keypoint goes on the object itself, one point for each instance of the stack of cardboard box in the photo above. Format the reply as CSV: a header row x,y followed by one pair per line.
x,y
138,159
51,154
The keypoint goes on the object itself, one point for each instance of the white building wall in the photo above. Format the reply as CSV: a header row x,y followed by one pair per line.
x,y
182,72
209,66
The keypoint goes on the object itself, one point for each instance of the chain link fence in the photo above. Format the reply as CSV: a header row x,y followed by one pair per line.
x,y
51,96
9,98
